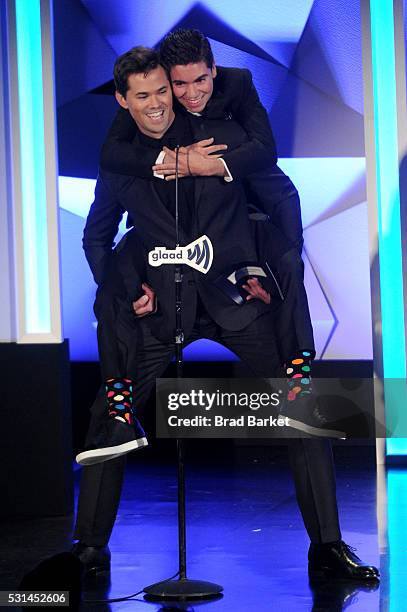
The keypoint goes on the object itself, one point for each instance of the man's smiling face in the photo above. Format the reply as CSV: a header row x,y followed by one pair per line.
x,y
149,101
193,85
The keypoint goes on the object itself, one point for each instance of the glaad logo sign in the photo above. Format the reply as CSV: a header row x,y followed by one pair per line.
x,y
197,254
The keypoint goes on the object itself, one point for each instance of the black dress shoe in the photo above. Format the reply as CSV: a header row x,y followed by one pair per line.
x,y
95,559
338,561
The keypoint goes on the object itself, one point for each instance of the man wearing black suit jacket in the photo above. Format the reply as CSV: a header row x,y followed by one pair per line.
x,y
218,209
221,94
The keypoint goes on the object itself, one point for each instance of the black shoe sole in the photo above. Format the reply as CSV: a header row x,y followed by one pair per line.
x,y
99,455
313,431
327,573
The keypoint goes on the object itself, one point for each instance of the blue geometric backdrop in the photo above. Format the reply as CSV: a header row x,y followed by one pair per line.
x,y
306,62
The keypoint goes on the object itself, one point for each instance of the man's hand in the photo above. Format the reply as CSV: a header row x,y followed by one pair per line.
x,y
256,291
198,159
205,147
146,304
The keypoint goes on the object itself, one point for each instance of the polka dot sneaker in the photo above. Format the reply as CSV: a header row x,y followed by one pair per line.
x,y
118,438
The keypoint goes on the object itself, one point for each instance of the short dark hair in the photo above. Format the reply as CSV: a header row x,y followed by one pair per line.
x,y
138,59
183,47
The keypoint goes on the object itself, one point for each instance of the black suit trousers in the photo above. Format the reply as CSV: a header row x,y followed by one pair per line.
x,y
311,460
113,310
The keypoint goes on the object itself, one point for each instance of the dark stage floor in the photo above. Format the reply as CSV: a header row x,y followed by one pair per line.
x,y
244,532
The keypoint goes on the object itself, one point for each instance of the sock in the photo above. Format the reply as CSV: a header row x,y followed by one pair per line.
x,y
119,394
298,371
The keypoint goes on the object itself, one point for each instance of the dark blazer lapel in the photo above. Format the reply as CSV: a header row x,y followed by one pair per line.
x,y
148,194
216,106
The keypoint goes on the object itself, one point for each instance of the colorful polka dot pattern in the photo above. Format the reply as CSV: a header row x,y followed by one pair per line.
x,y
119,393
298,370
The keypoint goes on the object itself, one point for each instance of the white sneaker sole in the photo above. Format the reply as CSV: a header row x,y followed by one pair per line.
x,y
314,431
99,455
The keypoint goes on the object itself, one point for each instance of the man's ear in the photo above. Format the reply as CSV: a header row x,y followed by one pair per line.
x,y
213,70
121,100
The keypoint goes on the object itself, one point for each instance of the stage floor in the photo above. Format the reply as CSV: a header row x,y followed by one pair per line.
x,y
244,531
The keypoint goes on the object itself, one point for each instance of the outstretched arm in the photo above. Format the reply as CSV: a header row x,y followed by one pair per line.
x,y
255,153
119,154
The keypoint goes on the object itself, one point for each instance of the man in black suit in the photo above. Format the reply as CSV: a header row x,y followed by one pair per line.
x,y
228,94
218,209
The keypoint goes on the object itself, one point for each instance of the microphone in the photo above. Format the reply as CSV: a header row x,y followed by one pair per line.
x,y
176,197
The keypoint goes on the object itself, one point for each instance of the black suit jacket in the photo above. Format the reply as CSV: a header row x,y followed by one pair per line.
x,y
254,160
219,211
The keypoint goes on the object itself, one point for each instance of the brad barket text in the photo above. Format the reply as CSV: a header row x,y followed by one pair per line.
x,y
245,420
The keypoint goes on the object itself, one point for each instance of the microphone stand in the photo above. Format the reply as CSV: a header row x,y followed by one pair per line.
x,y
183,588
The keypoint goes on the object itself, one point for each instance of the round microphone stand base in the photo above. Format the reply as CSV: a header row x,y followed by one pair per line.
x,y
183,588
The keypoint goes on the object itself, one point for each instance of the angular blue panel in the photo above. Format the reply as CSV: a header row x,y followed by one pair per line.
x,y
329,54
83,56
272,27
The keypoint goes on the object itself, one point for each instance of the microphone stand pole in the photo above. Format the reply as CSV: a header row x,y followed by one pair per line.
x,y
183,588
